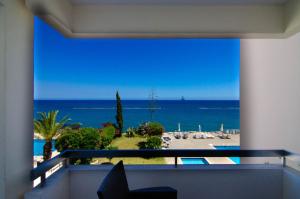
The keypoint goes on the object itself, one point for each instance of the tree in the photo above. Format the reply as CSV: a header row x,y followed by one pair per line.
x,y
155,129
152,104
48,126
107,135
119,115
83,138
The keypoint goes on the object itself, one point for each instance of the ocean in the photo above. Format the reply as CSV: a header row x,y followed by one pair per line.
x,y
189,113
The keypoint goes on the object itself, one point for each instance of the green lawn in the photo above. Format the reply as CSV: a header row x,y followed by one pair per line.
x,y
127,143
130,143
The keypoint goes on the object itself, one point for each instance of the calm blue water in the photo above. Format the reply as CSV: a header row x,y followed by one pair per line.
x,y
38,146
92,113
194,161
234,159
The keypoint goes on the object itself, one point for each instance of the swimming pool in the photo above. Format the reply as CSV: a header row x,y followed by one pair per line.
x,y
236,160
38,147
227,147
194,161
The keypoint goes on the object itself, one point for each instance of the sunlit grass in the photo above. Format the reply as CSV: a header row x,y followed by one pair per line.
x,y
129,143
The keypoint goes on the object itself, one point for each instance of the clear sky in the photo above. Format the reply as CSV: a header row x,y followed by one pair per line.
x,y
67,68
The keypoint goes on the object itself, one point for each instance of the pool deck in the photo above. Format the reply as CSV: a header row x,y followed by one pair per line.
x,y
207,143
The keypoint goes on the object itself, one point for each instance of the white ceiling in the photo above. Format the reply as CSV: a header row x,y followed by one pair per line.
x,y
207,2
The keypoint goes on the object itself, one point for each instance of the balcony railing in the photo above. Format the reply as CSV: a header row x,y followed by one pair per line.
x,y
65,156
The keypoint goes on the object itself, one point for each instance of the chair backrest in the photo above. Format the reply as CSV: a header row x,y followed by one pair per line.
x,y
114,185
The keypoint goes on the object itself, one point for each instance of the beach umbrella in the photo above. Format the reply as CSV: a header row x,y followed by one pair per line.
x,y
222,127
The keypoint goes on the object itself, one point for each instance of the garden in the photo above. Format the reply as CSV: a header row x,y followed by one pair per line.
x,y
110,136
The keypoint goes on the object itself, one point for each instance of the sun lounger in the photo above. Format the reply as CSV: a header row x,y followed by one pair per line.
x,y
197,136
177,136
224,136
209,136
166,139
185,136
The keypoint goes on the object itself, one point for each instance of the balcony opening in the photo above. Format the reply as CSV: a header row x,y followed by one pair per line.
x,y
122,93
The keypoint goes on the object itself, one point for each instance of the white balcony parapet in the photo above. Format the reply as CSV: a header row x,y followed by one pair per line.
x,y
193,182
260,181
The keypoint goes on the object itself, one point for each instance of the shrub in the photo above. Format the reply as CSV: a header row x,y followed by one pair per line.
x,y
142,129
75,126
151,129
106,124
130,132
90,138
155,129
85,138
107,135
117,130
153,142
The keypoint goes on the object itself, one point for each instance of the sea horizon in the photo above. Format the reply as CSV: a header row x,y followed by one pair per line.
x,y
210,114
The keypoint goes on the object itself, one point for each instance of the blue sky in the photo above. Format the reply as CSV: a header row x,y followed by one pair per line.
x,y
67,68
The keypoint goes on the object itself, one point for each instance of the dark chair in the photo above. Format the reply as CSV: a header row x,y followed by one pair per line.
x,y
115,186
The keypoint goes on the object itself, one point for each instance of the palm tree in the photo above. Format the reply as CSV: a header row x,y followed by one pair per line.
x,y
48,127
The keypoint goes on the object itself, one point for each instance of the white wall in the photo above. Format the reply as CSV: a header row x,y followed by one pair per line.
x,y
16,93
2,105
270,94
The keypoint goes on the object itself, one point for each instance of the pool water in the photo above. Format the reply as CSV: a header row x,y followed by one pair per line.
x,y
236,160
227,147
38,147
193,161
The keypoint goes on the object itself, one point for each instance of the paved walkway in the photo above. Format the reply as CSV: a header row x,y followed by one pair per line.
x,y
208,143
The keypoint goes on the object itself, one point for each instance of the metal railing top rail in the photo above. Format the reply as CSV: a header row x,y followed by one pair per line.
x,y
41,169
63,157
173,153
